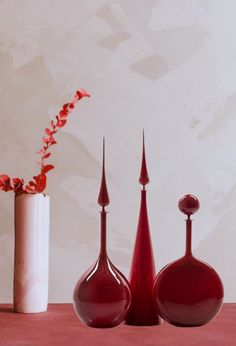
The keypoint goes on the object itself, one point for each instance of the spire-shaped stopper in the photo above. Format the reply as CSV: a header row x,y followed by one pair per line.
x,y
143,178
103,198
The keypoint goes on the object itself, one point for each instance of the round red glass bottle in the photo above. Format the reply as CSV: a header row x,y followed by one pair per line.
x,y
188,292
102,295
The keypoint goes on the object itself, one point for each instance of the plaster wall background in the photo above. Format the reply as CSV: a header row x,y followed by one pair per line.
x,y
167,66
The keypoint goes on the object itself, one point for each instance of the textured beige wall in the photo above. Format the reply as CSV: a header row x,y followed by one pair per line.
x,y
166,65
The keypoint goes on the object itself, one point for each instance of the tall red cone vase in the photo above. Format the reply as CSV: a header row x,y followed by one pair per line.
x,y
142,311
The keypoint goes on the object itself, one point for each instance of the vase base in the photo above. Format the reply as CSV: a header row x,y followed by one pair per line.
x,y
152,324
28,310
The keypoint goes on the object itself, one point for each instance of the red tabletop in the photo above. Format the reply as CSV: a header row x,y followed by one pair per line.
x,y
59,326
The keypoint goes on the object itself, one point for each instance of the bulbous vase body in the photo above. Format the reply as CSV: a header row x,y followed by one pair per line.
x,y
102,295
188,292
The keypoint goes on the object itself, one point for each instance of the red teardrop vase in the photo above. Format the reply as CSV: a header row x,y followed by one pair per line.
x,y
188,292
102,295
142,310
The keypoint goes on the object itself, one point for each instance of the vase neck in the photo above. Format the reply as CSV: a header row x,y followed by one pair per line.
x,y
143,200
188,251
103,246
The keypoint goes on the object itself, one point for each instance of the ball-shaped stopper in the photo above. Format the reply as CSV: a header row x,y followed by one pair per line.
x,y
189,204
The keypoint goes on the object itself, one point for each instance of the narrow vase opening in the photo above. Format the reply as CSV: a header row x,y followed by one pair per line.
x,y
103,241
188,251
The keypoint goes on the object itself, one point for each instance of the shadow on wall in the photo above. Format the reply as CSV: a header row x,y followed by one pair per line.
x,y
222,117
163,50
219,247
26,95
25,101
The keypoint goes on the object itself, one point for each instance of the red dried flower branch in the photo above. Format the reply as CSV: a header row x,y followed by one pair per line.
x,y
39,182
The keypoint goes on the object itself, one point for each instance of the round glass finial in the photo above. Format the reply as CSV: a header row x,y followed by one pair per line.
x,y
189,204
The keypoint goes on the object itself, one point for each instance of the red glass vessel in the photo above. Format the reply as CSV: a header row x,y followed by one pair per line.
x,y
188,292
142,310
102,295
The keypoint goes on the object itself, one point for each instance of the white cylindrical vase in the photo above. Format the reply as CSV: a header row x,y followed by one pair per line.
x,y
31,253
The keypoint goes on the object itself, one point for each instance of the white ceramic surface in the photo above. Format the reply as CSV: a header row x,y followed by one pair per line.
x,y
31,253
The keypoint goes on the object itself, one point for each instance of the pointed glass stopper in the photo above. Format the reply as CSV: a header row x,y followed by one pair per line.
x,y
142,311
103,198
143,178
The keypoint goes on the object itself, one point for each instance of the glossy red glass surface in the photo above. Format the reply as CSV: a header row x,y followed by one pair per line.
x,y
142,310
188,292
102,295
